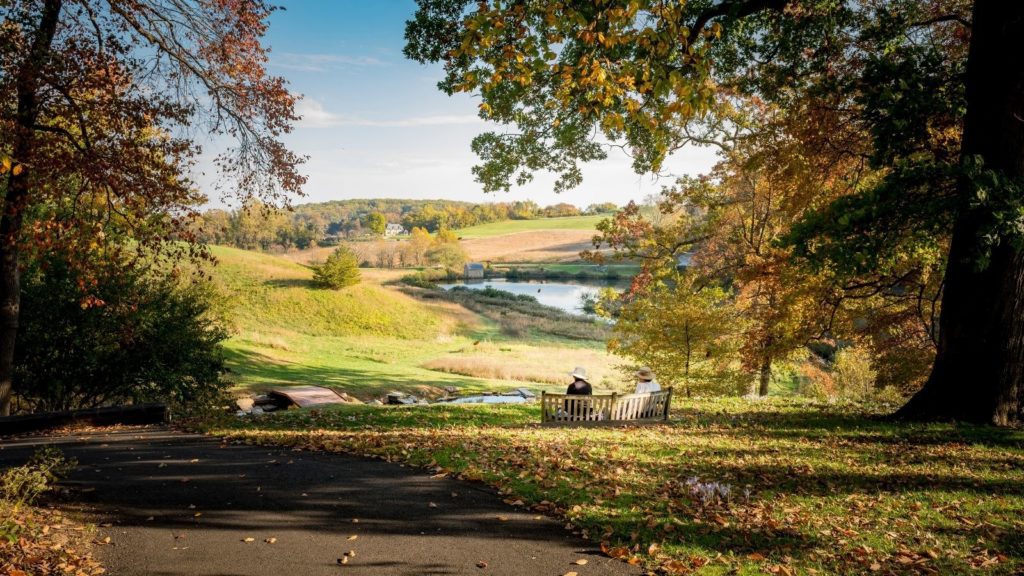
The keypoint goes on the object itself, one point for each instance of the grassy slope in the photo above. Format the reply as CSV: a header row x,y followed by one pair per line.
x,y
366,339
514,226
814,490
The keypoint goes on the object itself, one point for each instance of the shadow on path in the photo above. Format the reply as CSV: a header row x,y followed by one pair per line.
x,y
184,504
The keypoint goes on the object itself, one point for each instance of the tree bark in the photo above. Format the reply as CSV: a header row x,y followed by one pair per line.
x,y
689,351
765,376
18,192
978,374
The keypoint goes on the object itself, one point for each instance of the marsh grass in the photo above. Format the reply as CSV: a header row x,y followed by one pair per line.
x,y
518,315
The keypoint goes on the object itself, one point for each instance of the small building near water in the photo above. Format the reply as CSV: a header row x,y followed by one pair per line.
x,y
473,270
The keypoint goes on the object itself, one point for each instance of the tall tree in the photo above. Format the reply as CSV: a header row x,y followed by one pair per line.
x,y
99,102
916,75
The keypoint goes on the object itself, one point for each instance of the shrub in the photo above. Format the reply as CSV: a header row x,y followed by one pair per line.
x,y
24,484
136,337
854,374
339,271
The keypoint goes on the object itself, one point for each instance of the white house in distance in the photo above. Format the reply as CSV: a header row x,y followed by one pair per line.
x,y
392,230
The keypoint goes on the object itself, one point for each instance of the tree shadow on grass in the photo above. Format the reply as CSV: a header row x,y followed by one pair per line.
x,y
362,383
291,283
817,424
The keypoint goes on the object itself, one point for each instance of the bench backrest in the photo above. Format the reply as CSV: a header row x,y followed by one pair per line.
x,y
605,407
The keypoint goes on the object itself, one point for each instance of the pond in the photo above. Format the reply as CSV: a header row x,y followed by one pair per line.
x,y
564,294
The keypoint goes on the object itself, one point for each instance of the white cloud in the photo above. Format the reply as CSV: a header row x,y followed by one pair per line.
x,y
321,62
314,115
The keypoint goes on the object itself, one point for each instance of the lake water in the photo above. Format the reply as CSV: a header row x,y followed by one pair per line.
x,y
567,295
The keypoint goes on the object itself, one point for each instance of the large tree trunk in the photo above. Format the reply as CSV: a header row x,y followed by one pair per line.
x,y
765,376
17,197
979,370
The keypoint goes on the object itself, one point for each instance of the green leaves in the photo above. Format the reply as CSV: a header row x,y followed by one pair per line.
x,y
341,270
566,75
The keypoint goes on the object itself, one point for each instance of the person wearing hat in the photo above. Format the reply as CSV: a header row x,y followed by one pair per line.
x,y
579,383
645,381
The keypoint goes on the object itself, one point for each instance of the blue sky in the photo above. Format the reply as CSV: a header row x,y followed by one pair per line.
x,y
375,125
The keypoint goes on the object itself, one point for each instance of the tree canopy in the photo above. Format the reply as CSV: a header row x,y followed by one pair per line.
x,y
927,186
101,108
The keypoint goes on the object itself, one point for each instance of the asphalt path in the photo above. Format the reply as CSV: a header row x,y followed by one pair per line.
x,y
181,504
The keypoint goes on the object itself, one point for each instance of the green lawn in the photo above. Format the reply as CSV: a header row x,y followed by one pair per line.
x,y
513,226
813,489
371,338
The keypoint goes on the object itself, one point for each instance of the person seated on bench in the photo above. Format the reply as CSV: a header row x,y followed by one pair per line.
x,y
579,384
579,387
645,381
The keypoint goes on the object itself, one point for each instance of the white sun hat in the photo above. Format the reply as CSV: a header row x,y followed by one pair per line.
x,y
579,372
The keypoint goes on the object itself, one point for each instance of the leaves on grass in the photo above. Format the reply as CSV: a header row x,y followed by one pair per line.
x,y
799,489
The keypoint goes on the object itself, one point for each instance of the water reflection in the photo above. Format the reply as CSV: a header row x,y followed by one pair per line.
x,y
566,295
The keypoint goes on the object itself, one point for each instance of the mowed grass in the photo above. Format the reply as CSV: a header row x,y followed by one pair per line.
x,y
370,338
812,489
515,226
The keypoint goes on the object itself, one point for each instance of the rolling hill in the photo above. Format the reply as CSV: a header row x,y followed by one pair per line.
x,y
371,338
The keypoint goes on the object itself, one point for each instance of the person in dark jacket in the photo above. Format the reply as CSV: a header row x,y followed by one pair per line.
x,y
579,384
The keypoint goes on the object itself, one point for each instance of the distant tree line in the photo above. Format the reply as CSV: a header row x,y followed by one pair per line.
x,y
260,227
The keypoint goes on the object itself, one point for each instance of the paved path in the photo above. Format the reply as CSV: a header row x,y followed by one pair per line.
x,y
182,504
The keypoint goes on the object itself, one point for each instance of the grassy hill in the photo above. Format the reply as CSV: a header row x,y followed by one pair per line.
x,y
372,338
514,226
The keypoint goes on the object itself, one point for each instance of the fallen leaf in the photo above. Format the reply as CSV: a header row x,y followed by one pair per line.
x,y
353,537
248,539
580,562
351,553
271,540
432,505
343,560
502,518
755,556
481,564
570,574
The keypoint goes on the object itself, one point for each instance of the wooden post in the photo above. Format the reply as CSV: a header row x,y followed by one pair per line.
x,y
543,406
668,402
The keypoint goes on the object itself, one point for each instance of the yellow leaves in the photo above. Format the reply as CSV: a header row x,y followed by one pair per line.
x,y
7,165
485,108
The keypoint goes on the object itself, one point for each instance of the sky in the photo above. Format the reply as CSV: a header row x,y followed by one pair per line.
x,y
376,126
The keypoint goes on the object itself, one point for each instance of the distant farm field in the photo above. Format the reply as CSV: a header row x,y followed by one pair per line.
x,y
533,246
586,223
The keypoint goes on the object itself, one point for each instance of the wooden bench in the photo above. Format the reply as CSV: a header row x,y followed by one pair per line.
x,y
650,406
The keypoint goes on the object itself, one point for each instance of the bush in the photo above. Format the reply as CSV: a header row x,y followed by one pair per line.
x,y
24,484
854,374
339,271
136,337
